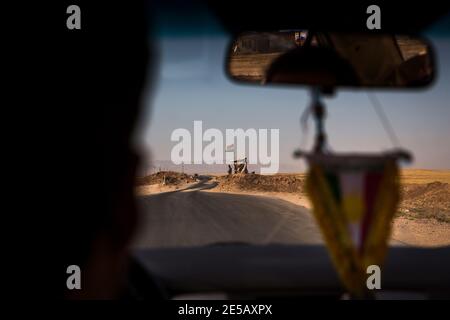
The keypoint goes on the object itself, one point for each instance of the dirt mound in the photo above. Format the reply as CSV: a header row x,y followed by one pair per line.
x,y
431,200
257,182
166,178
419,201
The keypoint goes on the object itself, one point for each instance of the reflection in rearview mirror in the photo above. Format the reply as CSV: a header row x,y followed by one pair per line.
x,y
330,59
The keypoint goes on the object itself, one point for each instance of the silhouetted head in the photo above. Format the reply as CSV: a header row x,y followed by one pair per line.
x,y
91,89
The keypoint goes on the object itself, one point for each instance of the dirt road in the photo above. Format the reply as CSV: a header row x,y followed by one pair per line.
x,y
194,217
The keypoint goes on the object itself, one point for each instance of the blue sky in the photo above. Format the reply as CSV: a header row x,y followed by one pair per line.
x,y
192,85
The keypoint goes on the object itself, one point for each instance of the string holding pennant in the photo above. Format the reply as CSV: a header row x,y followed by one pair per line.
x,y
354,198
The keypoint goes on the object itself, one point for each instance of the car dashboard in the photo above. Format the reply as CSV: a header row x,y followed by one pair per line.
x,y
244,271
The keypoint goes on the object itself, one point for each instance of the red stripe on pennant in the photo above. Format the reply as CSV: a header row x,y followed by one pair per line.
x,y
371,188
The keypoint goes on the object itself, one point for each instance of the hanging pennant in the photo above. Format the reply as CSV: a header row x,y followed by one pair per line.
x,y
354,200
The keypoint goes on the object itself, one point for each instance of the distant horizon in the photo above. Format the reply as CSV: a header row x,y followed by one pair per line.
x,y
167,165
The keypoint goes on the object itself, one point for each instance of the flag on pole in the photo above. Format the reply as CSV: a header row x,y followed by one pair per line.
x,y
230,147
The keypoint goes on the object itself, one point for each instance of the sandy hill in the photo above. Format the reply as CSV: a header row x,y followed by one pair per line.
x,y
257,182
165,178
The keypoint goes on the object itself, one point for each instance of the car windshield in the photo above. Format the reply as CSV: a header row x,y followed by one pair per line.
x,y
257,194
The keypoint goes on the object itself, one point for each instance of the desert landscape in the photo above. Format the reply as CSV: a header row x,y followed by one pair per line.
x,y
422,219
251,67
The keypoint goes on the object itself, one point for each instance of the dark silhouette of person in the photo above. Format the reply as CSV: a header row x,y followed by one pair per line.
x,y
84,96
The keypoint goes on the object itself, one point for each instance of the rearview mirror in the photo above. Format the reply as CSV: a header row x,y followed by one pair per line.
x,y
330,59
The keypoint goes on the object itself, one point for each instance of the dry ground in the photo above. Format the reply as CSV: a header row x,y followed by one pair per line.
x,y
251,67
423,217
163,181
